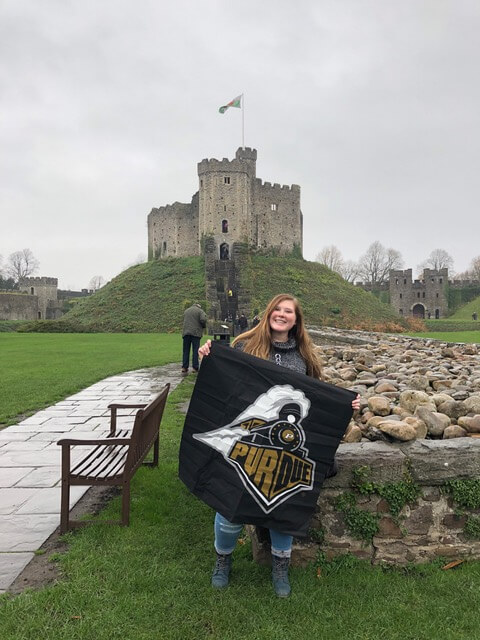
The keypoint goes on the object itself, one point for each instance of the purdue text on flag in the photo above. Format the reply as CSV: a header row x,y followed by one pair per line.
x,y
236,102
259,439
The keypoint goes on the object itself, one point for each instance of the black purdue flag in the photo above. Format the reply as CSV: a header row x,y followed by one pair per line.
x,y
259,439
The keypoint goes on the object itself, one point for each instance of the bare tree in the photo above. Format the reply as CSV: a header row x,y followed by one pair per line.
x,y
349,270
475,268
473,273
21,264
438,259
374,265
96,283
140,259
331,257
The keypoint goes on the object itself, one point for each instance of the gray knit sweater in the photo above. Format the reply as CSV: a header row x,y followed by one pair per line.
x,y
284,354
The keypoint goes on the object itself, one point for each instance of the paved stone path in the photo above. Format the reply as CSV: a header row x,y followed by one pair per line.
x,y
30,465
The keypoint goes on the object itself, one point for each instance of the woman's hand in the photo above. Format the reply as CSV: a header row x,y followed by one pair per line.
x,y
205,349
356,403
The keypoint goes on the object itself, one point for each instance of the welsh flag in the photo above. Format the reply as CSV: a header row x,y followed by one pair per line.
x,y
236,102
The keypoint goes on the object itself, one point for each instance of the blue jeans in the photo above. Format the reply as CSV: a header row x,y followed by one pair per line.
x,y
226,536
194,342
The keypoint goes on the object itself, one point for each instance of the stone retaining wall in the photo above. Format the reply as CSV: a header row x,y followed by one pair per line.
x,y
432,527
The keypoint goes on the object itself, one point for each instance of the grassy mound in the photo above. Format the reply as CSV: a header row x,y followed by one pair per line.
x,y
326,298
152,297
145,298
465,312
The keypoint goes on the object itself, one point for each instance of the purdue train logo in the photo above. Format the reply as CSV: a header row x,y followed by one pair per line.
x,y
266,445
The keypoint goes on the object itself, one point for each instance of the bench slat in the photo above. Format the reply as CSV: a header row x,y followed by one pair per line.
x,y
102,457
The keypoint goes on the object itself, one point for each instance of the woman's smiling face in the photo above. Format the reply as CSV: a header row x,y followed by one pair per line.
x,y
283,317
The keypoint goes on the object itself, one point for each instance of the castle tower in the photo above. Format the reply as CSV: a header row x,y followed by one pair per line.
x,y
225,199
44,288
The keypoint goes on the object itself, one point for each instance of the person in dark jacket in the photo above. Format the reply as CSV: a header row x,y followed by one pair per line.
x,y
280,337
242,323
194,322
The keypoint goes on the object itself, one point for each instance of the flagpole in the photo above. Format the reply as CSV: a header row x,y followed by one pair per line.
x,y
243,121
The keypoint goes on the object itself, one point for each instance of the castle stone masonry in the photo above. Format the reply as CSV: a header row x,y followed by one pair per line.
x,y
232,205
424,298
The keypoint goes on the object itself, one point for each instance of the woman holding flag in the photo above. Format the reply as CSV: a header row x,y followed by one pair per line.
x,y
280,337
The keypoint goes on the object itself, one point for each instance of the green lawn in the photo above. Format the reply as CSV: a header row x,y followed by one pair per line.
x,y
152,581
40,369
451,336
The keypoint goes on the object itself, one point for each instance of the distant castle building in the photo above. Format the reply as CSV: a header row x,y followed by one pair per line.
x,y
36,299
425,298
231,206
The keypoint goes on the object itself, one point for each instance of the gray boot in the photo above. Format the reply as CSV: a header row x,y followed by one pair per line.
x,y
280,576
221,571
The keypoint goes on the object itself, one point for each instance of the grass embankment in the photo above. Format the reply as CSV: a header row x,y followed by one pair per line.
x,y
40,369
465,313
327,299
152,581
11,325
146,297
152,296
461,320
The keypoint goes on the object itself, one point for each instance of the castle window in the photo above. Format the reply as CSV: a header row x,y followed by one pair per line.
x,y
437,314
401,296
441,280
164,247
433,279
201,183
423,294
396,280
226,180
224,226
224,207
32,291
418,294
273,206
436,295
39,315
404,281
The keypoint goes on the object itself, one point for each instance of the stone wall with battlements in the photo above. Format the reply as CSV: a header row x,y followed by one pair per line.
x,y
278,218
173,230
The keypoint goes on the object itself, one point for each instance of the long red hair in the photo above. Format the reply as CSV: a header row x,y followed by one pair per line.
x,y
258,341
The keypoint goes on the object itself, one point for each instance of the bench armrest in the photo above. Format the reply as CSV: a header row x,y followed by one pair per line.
x,y
70,442
113,413
127,406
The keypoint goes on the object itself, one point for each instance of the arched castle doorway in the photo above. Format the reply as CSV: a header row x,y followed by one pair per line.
x,y
224,251
418,311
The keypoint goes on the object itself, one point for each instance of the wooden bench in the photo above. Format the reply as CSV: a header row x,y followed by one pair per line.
x,y
114,459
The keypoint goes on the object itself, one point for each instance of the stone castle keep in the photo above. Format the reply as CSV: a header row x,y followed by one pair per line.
x,y
231,206
233,212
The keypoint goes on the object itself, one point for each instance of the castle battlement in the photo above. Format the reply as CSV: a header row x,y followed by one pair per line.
x,y
169,208
284,187
223,166
39,280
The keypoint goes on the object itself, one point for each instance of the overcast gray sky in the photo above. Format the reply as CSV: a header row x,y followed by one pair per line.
x,y
106,106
